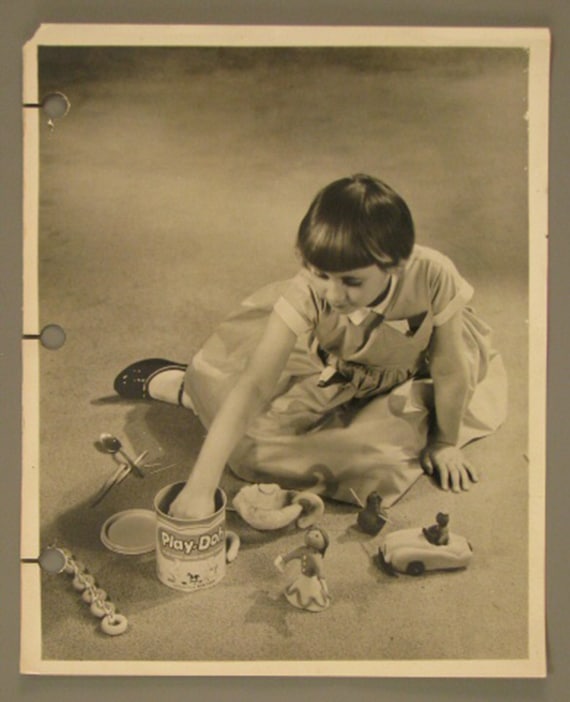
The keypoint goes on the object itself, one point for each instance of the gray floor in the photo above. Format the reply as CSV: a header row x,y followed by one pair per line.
x,y
171,190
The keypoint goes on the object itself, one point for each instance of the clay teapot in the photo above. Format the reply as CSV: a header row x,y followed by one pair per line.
x,y
267,506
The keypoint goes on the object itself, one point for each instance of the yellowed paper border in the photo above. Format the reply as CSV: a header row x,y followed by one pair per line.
x,y
537,41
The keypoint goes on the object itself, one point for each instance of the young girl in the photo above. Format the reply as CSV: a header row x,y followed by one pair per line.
x,y
363,369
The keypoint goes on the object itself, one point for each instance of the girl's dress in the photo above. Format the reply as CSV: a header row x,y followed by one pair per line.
x,y
353,406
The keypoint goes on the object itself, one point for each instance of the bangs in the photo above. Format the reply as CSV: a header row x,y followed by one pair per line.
x,y
334,250
355,223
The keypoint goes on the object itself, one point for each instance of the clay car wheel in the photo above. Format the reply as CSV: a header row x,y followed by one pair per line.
x,y
415,568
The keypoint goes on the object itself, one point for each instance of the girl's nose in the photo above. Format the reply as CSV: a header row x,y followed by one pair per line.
x,y
335,292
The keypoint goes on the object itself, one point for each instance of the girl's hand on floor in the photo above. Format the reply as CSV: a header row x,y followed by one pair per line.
x,y
448,462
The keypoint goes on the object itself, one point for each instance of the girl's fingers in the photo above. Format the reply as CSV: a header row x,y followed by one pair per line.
x,y
465,481
468,475
472,471
426,462
454,473
455,477
443,476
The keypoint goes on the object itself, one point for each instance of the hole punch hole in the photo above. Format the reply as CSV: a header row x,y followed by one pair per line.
x,y
52,560
55,105
52,337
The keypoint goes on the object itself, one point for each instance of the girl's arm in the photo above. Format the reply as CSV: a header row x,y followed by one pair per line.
x,y
245,402
450,373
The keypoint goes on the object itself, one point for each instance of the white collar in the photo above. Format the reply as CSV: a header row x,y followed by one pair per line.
x,y
359,315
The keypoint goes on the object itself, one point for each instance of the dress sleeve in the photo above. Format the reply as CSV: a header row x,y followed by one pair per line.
x,y
449,291
298,305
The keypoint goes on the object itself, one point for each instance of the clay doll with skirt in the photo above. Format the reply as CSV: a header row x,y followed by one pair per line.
x,y
309,589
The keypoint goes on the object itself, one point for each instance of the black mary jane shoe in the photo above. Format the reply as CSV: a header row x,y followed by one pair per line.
x,y
132,382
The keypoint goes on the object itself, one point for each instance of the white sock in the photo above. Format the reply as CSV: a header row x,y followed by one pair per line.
x,y
186,401
165,386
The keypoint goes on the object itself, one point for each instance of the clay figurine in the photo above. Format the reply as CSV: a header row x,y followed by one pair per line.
x,y
371,519
309,589
438,533
414,551
266,506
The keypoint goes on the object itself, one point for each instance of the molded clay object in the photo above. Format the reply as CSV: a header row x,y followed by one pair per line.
x,y
438,533
371,519
266,506
409,551
309,589
61,560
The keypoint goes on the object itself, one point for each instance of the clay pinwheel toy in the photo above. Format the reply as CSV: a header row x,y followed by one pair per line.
x,y
108,443
111,444
308,590
266,506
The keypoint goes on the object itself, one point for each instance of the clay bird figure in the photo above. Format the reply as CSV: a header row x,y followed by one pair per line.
x,y
371,518
438,533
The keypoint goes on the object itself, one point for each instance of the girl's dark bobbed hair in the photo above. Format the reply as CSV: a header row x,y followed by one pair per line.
x,y
356,222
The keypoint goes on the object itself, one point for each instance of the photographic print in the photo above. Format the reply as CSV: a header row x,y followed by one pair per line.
x,y
284,351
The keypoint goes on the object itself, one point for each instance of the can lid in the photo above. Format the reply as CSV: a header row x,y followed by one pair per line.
x,y
131,532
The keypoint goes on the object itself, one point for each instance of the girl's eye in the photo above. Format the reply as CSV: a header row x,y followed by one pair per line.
x,y
347,282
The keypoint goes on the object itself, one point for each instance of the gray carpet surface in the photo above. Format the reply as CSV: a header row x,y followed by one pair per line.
x,y
173,189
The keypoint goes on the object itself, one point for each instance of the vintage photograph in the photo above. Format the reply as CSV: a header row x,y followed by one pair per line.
x,y
285,308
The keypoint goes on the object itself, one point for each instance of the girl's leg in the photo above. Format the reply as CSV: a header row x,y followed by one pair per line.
x,y
168,386
156,379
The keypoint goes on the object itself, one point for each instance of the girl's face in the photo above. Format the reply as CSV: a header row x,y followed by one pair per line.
x,y
349,290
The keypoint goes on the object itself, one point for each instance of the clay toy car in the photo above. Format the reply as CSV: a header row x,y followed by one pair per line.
x,y
409,551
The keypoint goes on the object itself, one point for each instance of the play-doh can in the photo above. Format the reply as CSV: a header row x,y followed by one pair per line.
x,y
191,554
